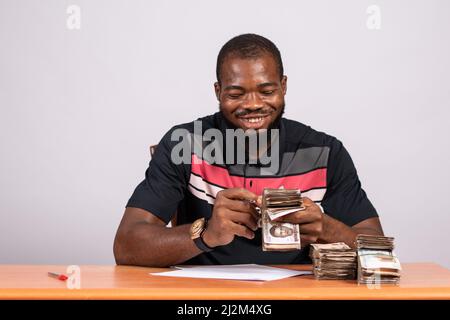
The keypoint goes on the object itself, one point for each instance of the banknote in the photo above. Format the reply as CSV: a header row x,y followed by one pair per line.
x,y
281,202
377,262
374,242
333,261
280,236
378,266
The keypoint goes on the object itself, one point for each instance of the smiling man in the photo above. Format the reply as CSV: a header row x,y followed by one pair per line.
x,y
214,203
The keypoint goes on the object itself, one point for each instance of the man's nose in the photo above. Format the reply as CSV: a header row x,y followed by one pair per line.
x,y
253,102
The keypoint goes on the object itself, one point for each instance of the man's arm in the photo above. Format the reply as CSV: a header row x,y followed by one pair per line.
x,y
335,231
144,240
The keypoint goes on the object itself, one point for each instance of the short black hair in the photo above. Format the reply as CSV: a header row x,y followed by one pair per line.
x,y
248,46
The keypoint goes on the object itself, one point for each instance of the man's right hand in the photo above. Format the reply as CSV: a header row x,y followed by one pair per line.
x,y
233,215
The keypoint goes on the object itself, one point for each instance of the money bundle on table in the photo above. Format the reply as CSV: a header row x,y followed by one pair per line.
x,y
275,204
333,261
377,262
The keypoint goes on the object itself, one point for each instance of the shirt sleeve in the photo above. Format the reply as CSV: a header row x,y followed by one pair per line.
x,y
164,185
345,200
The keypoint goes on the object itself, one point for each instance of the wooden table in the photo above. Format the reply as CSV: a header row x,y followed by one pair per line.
x,y
419,281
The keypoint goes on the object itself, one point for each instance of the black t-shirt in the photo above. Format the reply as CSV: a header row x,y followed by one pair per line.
x,y
312,161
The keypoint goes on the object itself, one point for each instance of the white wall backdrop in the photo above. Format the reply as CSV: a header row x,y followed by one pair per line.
x,y
79,108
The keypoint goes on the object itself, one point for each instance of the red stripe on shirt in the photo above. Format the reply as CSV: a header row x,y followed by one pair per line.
x,y
220,176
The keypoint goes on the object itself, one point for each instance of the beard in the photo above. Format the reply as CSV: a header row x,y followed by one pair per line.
x,y
275,124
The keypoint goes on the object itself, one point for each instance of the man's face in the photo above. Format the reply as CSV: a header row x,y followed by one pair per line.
x,y
281,231
251,93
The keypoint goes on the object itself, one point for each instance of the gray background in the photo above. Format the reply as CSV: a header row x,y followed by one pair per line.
x,y
79,108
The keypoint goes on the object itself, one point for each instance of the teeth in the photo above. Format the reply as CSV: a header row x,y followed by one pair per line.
x,y
253,120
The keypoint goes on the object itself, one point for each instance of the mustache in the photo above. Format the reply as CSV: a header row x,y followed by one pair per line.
x,y
263,111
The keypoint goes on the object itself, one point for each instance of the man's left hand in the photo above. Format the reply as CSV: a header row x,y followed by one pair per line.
x,y
309,220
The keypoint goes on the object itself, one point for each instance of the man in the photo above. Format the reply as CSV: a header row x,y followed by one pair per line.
x,y
214,203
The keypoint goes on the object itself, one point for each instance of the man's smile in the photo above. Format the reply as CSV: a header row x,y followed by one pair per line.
x,y
255,121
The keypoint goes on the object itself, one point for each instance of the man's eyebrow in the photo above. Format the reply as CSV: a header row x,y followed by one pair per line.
x,y
267,84
261,85
234,87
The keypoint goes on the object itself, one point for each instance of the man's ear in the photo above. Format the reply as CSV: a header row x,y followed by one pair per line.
x,y
217,90
284,84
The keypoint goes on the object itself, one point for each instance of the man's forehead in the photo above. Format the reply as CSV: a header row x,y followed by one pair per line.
x,y
259,70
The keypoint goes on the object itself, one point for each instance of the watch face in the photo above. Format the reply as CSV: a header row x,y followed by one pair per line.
x,y
197,228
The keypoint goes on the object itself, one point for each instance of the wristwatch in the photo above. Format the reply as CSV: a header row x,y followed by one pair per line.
x,y
198,227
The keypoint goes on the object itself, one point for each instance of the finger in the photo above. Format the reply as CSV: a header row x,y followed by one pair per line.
x,y
310,229
239,194
241,206
243,218
307,201
259,201
242,231
306,239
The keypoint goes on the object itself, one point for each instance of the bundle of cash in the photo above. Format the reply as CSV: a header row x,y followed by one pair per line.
x,y
377,263
374,242
276,203
333,261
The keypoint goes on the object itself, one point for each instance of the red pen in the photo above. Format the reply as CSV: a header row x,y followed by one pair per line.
x,y
61,277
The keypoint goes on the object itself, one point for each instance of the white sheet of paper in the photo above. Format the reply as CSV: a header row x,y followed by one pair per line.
x,y
252,272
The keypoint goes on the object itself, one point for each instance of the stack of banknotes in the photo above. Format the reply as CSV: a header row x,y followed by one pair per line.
x,y
276,203
333,261
377,262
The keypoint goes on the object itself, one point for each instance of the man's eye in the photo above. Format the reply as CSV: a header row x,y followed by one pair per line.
x,y
268,92
235,96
